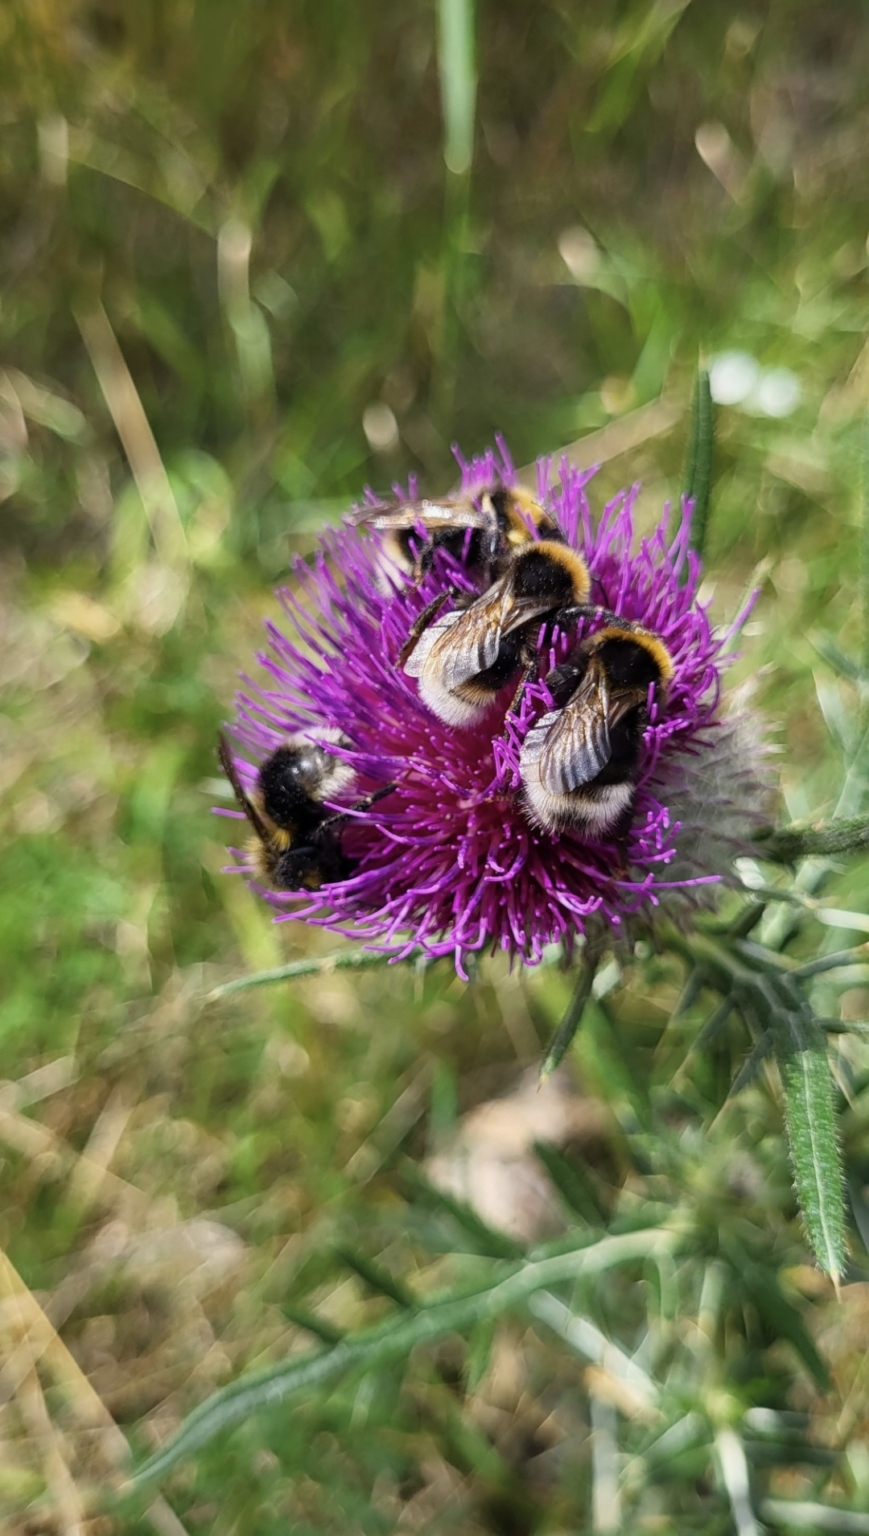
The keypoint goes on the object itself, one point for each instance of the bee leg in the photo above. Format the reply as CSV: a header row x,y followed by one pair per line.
x,y
422,621
379,794
569,615
423,564
492,558
621,836
528,671
364,804
529,656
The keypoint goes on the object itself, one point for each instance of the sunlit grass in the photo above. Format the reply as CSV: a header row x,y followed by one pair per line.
x,y
229,232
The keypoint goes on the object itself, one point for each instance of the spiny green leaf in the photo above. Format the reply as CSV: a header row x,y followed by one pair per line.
x,y
326,1332
714,1025
751,1066
811,1126
786,845
376,1278
603,1056
694,985
314,965
572,1184
373,1348
837,960
484,1238
479,1353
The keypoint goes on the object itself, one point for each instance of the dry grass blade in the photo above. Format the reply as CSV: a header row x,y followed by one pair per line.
x,y
59,1479
617,437
134,430
32,1406
92,1167
41,1340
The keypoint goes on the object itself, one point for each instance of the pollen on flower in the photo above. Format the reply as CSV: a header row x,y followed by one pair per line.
x,y
451,860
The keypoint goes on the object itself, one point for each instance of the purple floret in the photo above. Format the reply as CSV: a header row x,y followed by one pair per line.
x,y
451,861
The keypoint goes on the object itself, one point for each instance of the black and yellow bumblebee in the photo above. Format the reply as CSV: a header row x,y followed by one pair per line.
x,y
466,657
296,843
479,528
579,762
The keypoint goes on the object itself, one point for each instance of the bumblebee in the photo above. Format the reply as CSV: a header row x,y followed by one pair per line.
x,y
295,846
579,762
478,528
464,658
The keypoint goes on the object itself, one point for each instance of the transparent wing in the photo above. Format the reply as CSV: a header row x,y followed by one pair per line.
x,y
577,744
468,642
460,513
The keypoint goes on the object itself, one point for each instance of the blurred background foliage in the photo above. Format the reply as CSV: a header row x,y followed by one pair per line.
x,y
245,269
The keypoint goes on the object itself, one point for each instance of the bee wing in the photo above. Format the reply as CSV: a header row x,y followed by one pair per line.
x,y
459,645
467,642
577,744
521,608
460,513
227,763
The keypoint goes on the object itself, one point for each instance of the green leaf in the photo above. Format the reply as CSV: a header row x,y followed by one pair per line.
x,y
698,470
811,1126
603,1057
372,1349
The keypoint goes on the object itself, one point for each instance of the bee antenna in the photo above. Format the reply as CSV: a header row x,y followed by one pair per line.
x,y
227,763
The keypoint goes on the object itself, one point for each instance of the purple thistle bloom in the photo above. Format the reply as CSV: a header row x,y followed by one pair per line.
x,y
451,860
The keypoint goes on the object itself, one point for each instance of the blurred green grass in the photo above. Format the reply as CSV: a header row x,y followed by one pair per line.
x,y
227,234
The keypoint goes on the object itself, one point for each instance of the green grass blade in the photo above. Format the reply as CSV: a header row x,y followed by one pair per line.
x,y
864,551
458,81
701,452
563,1037
803,1515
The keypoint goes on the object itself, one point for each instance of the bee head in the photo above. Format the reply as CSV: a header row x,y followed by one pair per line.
x,y
301,772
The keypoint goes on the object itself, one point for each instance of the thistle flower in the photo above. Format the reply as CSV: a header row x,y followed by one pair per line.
x,y
451,861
